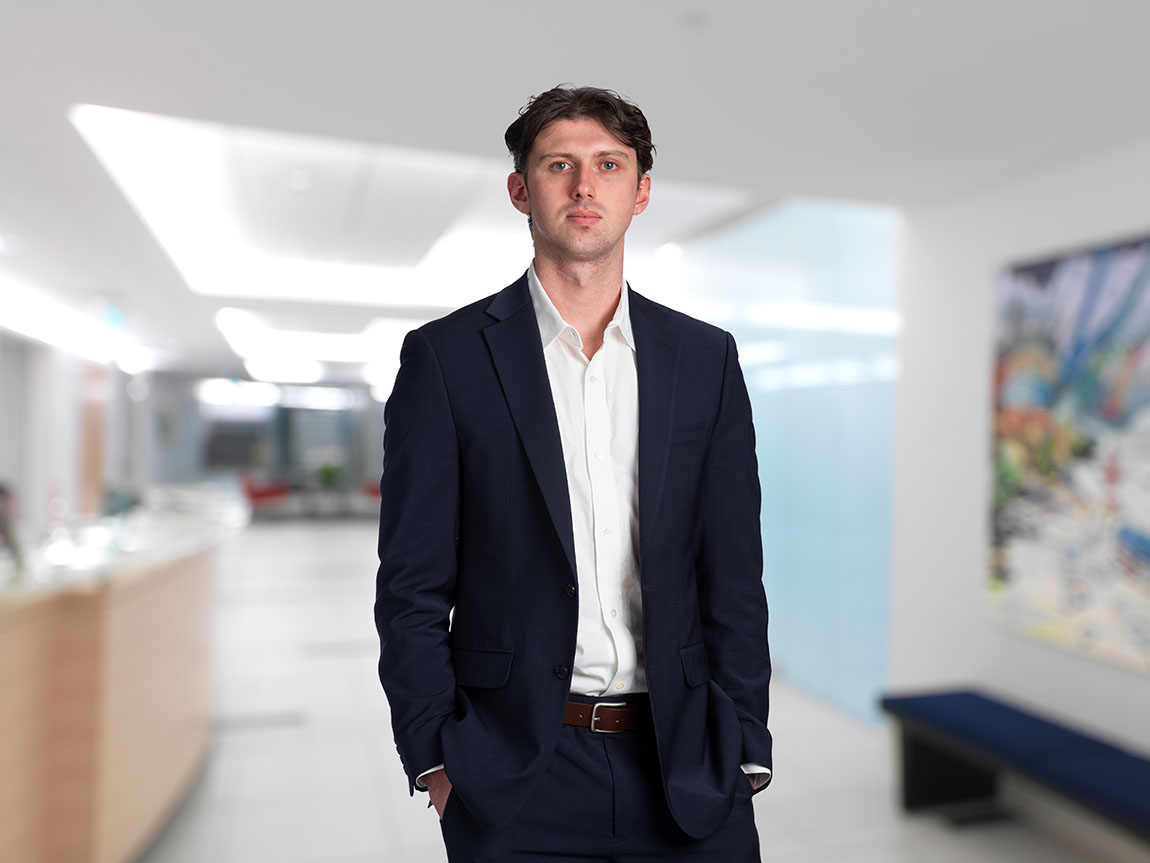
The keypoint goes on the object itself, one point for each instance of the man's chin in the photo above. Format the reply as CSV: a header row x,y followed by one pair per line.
x,y
587,250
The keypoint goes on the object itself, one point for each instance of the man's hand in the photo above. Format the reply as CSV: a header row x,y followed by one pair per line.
x,y
439,789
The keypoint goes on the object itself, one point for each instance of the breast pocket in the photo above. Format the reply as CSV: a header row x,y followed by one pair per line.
x,y
481,669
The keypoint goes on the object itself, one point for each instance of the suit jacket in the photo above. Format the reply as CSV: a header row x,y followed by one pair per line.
x,y
476,596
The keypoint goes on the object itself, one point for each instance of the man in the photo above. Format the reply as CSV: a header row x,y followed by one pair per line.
x,y
569,600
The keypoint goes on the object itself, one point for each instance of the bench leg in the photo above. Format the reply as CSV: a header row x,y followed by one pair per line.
x,y
932,775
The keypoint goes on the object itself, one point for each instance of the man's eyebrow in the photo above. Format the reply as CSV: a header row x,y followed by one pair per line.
x,y
613,153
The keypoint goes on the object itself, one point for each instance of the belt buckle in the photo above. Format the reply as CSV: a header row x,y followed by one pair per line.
x,y
595,716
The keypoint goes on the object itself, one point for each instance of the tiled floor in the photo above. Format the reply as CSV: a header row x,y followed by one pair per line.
x,y
303,768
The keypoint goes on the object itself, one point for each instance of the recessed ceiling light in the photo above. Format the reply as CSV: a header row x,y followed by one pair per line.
x,y
284,369
178,174
221,391
136,359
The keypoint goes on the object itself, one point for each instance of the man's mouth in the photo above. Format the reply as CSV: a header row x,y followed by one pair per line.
x,y
584,217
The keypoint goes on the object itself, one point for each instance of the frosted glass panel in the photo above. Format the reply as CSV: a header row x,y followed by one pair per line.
x,y
809,291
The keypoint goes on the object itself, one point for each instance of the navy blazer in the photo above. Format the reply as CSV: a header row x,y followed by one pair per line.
x,y
477,598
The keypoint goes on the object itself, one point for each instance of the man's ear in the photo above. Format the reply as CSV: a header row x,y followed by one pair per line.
x,y
517,189
643,195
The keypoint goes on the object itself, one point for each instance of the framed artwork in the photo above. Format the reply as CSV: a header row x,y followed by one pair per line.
x,y
1070,562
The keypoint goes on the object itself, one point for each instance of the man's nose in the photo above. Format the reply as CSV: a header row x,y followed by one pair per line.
x,y
584,182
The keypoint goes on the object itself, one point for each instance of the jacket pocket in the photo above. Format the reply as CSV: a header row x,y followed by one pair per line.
x,y
687,434
484,669
696,667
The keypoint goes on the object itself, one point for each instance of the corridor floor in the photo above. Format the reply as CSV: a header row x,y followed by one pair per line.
x,y
302,767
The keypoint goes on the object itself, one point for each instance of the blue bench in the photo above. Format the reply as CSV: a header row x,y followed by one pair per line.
x,y
955,744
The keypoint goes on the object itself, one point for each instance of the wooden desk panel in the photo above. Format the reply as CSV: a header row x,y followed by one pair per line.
x,y
24,664
105,712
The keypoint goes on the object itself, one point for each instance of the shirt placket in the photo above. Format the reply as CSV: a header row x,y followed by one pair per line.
x,y
605,511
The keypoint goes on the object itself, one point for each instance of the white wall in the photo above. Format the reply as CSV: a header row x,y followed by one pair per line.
x,y
941,632
117,441
13,406
51,439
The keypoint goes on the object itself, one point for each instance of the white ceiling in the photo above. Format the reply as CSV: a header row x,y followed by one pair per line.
x,y
904,102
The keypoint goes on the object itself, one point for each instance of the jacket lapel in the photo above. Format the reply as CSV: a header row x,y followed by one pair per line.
x,y
656,357
518,356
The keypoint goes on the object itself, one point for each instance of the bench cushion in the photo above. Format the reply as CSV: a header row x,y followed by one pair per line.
x,y
1005,733
1109,780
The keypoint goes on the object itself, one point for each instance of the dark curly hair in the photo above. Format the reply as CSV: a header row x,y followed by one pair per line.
x,y
621,118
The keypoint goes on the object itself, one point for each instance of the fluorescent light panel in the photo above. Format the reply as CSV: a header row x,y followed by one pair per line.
x,y
34,315
284,369
267,351
223,392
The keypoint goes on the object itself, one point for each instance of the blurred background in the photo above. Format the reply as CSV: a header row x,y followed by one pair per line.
x,y
217,223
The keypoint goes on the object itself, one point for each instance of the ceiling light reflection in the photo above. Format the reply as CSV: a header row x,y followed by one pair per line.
x,y
826,318
843,371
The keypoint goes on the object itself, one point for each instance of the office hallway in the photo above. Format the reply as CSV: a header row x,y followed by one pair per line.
x,y
302,768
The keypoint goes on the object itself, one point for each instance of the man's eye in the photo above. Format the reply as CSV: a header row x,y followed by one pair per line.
x,y
559,166
610,166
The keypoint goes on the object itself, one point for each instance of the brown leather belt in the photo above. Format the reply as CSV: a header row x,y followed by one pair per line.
x,y
606,717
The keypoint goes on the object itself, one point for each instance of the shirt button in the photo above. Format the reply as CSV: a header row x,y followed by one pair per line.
x,y
561,672
594,379
606,531
620,685
614,612
598,455
570,590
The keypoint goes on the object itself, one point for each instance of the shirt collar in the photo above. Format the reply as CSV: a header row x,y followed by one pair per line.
x,y
552,325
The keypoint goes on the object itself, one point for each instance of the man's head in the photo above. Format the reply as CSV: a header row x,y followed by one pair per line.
x,y
621,118
582,156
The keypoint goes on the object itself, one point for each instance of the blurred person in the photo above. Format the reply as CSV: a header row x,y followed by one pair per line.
x,y
569,600
8,539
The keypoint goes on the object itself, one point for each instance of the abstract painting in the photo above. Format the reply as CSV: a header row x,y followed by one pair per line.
x,y
1070,562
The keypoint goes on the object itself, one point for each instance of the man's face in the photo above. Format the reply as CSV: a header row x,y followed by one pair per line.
x,y
581,187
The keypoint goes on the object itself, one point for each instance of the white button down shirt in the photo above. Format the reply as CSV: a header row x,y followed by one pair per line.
x,y
597,406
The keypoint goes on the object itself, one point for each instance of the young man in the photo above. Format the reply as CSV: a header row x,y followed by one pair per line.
x,y
569,600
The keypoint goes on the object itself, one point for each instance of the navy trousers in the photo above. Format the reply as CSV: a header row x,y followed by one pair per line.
x,y
600,800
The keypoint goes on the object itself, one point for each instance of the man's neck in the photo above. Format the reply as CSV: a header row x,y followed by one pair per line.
x,y
586,294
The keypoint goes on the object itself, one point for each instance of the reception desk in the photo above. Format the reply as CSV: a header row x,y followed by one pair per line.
x,y
105,697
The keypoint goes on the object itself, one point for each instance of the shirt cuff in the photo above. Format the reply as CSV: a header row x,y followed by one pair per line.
x,y
759,775
422,786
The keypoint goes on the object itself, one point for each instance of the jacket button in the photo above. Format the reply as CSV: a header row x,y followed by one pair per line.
x,y
570,590
561,671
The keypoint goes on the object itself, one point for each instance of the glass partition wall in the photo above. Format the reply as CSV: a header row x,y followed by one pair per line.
x,y
809,289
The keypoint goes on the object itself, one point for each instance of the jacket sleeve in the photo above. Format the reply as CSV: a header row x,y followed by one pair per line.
x,y
415,584
732,600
